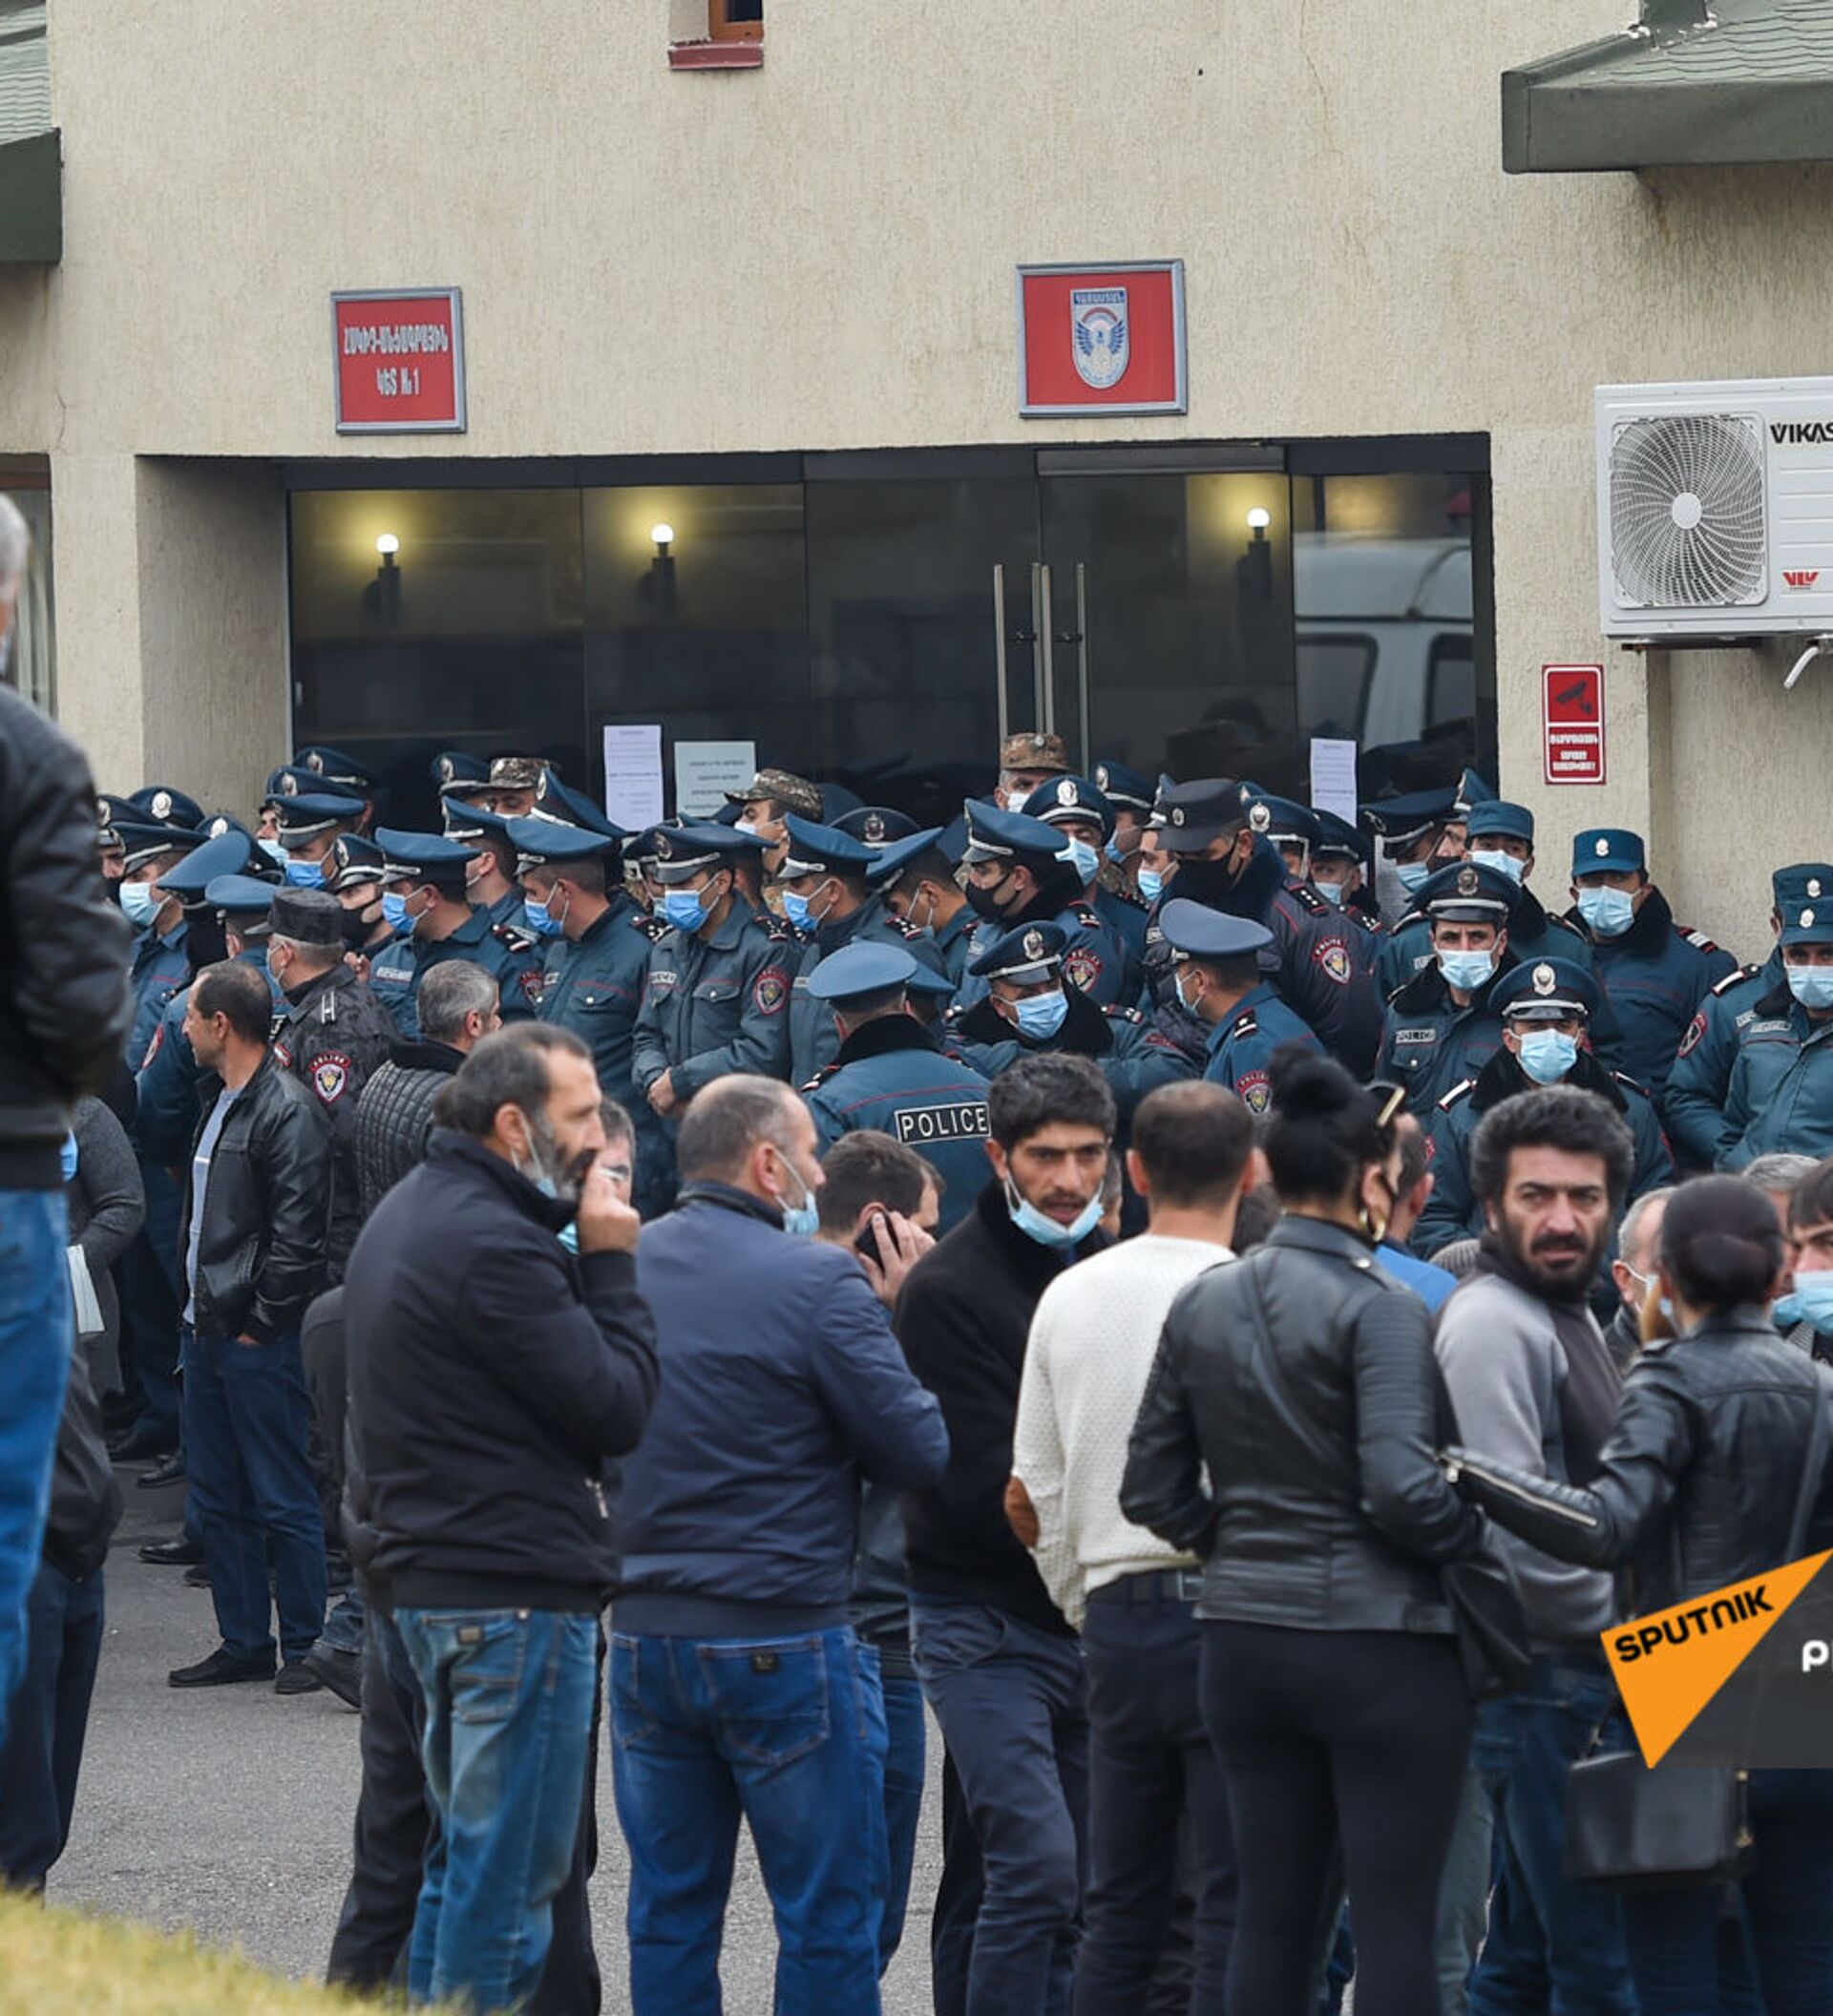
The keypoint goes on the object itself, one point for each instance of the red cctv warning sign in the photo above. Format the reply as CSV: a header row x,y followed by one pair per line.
x,y
1572,711
400,360
1102,339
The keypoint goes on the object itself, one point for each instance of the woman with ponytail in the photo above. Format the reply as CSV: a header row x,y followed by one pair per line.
x,y
1696,1489
1287,1437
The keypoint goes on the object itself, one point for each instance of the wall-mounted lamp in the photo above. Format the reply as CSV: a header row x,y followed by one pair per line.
x,y
664,535
382,597
1256,563
659,583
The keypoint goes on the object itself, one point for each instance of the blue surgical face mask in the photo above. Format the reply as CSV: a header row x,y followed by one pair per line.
x,y
1547,1055
1494,859
139,903
684,909
795,907
1809,1301
1040,1016
1036,1225
1412,875
1332,892
304,874
274,852
1086,862
540,923
1811,985
1184,1001
1466,970
745,826
1114,852
1608,912
801,1221
394,910
67,1157
1151,885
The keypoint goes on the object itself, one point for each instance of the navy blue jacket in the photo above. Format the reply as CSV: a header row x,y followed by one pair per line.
x,y
782,1387
1656,976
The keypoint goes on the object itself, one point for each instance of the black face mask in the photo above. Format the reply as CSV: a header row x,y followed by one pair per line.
x,y
985,903
1204,881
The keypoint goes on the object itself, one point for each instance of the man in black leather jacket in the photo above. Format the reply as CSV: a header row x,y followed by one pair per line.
x,y
253,1241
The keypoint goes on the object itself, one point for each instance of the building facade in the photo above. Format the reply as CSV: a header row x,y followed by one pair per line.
x,y
743,271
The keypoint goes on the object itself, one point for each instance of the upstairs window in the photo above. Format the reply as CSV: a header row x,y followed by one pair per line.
x,y
735,20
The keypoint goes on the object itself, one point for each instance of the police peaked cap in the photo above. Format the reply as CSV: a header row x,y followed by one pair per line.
x,y
418,857
158,803
547,843
1501,817
141,843
1071,801
560,801
1122,787
860,970
110,811
227,854
1188,816
1467,892
1402,820
1193,931
1608,850
293,782
464,819
1282,819
336,767
314,916
1473,789
1545,991
352,861
310,813
1337,837
1034,952
677,853
240,896
822,849
895,859
454,770
879,825
994,834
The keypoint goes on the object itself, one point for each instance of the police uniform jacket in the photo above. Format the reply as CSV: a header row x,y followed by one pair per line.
x,y
891,1077
716,1003
1242,1045
813,1040
953,941
1429,1042
1134,1058
334,1037
1699,1079
1453,1211
160,967
1094,956
1780,1098
1126,917
1655,974
504,953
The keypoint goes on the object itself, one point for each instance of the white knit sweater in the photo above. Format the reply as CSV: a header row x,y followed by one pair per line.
x,y
1093,1339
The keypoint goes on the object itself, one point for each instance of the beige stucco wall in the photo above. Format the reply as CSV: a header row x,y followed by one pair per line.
x,y
819,254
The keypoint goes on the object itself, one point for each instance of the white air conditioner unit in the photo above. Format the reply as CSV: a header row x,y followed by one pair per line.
x,y
1715,509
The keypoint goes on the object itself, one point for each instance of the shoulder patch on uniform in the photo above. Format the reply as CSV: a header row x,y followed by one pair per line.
x,y
1248,1025
157,1043
1695,1030
770,991
332,1077
1255,1090
1734,979
1463,1089
1332,954
1081,967
1123,1014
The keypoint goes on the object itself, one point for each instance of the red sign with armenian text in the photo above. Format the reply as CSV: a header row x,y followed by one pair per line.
x,y
1102,339
400,362
1572,711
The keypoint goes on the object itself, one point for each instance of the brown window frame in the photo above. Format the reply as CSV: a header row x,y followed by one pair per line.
x,y
721,28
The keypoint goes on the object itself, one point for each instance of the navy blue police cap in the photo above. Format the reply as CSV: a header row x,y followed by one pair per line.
x,y
1500,818
1336,838
464,820
1608,850
1545,991
1473,789
1188,816
1284,821
926,980
555,800
217,823
1802,882
334,766
1124,787
677,853
227,854
895,859
141,843
859,970
308,814
994,834
837,800
293,782
110,811
879,825
1033,952
412,857
1467,892
1071,801
353,862
546,843
458,771
1804,903
1400,821
159,805
814,850
244,897
952,842
1193,931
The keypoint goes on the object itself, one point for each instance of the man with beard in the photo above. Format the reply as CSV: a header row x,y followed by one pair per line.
x,y
1022,872
1534,1383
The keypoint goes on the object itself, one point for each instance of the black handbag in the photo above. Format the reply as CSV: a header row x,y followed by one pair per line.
x,y
1492,1626
1677,1825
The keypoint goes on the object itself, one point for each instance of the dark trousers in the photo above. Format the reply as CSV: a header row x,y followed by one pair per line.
x,y
245,1422
1151,1767
48,1721
906,1745
1675,1937
957,1909
152,1301
1327,1736
395,1822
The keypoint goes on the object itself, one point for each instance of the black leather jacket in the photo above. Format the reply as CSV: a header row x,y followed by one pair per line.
x,y
1697,1484
1324,1509
266,1212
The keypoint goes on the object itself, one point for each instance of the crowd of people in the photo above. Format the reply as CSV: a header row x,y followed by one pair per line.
x,y
1078,1274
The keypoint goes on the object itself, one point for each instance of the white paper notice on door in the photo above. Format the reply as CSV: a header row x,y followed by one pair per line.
x,y
705,771
633,776
1333,777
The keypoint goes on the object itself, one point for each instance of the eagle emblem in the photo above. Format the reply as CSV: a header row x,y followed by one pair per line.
x,y
1808,919
1259,817
1098,326
289,787
1601,847
102,811
1255,1090
1082,969
769,993
1101,776
1467,882
161,805
1177,815
447,769
665,848
330,1076
1066,792
315,763
1543,979
218,827
1814,887
1033,945
875,829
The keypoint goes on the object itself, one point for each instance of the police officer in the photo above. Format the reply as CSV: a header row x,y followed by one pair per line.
x,y
342,773
517,784
161,964
1502,837
1338,871
1131,797
492,879
1699,1078
308,822
1082,814
1217,968
1440,1026
1546,1007
828,899
879,825
1022,872
716,990
353,875
1655,971
164,805
424,899
1323,966
108,842
333,1035
1420,832
917,879
767,801
1780,1098
890,1075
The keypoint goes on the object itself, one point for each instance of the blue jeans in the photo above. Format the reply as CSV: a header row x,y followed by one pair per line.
x,y
37,1330
1677,1939
246,1417
1555,1947
508,1699
44,1746
906,1749
1012,1704
790,1734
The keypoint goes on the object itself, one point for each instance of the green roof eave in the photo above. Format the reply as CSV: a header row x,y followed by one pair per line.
x,y
31,200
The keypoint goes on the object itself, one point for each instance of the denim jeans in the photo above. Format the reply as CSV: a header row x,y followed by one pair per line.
x,y
508,1699
1555,1947
37,1331
906,1747
1012,1704
50,1717
790,1735
1463,1897
1150,1764
245,1421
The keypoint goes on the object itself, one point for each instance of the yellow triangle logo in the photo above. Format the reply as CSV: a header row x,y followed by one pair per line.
x,y
1671,1662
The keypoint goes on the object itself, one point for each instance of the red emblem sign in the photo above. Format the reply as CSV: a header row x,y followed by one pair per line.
x,y
1102,339
400,360
1572,711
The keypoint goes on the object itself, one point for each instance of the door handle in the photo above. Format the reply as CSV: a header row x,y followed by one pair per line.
x,y
998,648
1080,638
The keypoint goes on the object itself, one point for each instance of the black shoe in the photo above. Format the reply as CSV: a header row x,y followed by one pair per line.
x,y
182,1553
169,1472
196,1577
141,1443
295,1678
336,1668
222,1668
